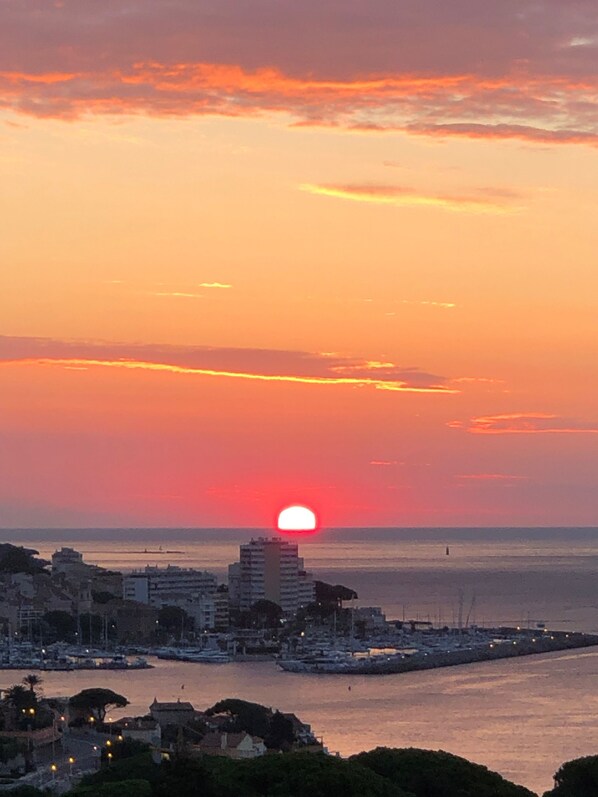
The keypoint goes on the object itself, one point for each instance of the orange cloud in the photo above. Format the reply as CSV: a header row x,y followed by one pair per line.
x,y
250,364
525,423
547,109
134,365
501,70
407,197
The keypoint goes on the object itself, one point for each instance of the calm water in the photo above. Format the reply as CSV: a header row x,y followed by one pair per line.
x,y
521,718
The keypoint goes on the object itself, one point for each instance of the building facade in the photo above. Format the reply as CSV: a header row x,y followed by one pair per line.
x,y
269,570
154,585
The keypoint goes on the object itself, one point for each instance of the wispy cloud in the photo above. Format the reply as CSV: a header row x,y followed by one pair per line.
x,y
216,285
384,463
490,477
402,196
265,365
177,295
430,303
526,423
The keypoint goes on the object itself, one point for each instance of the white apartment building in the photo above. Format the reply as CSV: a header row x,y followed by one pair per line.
x,y
306,587
200,607
153,585
269,569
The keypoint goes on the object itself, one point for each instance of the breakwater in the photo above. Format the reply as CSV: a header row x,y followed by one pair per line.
x,y
505,644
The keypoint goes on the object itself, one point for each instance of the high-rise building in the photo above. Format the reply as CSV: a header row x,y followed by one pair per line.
x,y
269,569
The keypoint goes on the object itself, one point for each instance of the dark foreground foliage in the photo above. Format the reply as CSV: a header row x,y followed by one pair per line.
x,y
383,772
427,773
578,778
302,775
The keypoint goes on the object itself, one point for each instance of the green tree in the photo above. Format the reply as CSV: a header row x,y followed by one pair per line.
x,y
60,626
174,620
427,773
102,597
95,702
139,767
16,559
244,716
122,788
10,748
189,778
265,614
577,778
327,593
128,748
300,775
92,628
280,734
20,699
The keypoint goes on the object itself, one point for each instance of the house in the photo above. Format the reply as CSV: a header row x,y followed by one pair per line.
x,y
232,745
142,730
179,713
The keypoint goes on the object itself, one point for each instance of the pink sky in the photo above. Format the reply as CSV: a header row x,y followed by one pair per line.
x,y
265,252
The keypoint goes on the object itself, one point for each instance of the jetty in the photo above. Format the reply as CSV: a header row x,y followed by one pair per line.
x,y
441,651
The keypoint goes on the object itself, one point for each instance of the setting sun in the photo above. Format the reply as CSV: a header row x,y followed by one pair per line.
x,y
296,518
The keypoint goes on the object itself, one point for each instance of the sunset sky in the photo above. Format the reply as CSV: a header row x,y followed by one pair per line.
x,y
259,252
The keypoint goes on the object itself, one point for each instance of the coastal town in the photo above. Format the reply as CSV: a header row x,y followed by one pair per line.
x,y
54,741
68,614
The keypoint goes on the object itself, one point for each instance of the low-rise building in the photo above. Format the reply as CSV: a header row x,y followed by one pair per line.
x,y
372,618
175,713
232,745
142,729
152,584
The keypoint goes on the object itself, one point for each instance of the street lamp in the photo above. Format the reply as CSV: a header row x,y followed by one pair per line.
x,y
71,762
53,769
109,758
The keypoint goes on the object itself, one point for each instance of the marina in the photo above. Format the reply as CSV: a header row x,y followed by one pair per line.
x,y
437,650
58,658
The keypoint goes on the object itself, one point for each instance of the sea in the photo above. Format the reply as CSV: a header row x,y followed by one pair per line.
x,y
522,718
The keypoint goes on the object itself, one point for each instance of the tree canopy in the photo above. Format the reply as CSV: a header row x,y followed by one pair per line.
x,y
576,778
428,773
303,775
60,626
327,593
244,716
95,702
16,559
265,614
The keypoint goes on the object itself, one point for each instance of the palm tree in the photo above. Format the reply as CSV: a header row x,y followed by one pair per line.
x,y
32,681
18,697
